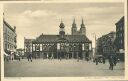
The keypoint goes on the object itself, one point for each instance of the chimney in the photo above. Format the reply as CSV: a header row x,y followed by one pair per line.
x,y
14,28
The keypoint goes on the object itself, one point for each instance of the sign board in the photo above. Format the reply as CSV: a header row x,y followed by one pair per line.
x,y
121,50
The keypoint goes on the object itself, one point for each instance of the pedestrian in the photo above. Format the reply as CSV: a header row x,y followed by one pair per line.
x,y
103,60
111,63
87,59
115,60
19,58
31,57
96,60
28,57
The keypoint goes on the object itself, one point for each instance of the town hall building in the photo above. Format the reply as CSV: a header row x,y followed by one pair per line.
x,y
76,45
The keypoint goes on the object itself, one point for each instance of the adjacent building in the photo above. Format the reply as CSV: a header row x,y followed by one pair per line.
x,y
9,39
27,46
112,43
105,44
119,42
76,45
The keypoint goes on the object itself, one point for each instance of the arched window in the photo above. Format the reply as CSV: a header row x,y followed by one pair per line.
x,y
83,47
90,46
41,47
58,46
33,47
37,47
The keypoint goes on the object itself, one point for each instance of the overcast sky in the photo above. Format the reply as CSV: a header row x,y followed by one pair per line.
x,y
33,19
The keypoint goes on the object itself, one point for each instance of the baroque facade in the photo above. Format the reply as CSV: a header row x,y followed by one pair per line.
x,y
9,36
76,45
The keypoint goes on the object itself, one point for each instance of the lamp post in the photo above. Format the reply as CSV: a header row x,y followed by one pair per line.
x,y
94,54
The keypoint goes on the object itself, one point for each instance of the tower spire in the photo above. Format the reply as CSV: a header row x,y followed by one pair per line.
x,y
61,20
74,27
83,29
82,21
82,24
74,21
62,24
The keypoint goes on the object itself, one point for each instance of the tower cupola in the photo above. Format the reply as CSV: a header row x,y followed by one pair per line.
x,y
62,30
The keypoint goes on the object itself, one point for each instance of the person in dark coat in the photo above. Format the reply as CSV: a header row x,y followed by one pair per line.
x,y
111,63
103,60
31,57
96,60
28,57
115,60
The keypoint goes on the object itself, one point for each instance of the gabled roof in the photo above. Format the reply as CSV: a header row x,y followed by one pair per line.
x,y
28,40
78,38
120,21
57,38
47,38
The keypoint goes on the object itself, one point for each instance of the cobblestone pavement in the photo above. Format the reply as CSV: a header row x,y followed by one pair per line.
x,y
63,68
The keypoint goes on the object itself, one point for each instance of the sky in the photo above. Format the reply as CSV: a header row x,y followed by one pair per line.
x,y
33,19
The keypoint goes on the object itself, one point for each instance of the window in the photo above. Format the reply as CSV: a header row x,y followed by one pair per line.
x,y
83,47
120,34
121,28
40,47
58,45
8,46
121,41
25,49
12,47
5,46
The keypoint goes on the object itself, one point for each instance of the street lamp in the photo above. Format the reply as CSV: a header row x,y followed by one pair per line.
x,y
94,35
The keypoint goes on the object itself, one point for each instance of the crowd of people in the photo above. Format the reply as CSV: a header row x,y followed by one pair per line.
x,y
112,60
